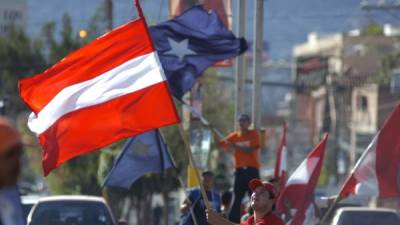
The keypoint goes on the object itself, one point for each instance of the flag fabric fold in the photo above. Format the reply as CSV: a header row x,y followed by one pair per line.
x,y
298,193
281,160
145,153
110,89
190,43
377,171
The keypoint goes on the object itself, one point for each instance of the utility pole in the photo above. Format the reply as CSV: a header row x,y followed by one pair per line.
x,y
335,117
385,6
109,14
240,72
257,61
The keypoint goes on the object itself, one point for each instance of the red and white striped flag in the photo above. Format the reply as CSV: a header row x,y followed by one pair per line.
x,y
110,89
281,160
377,171
299,190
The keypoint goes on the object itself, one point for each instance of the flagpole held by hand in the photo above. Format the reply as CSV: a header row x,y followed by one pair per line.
x,y
203,120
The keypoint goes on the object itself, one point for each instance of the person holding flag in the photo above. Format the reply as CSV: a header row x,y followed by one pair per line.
x,y
262,199
246,146
194,204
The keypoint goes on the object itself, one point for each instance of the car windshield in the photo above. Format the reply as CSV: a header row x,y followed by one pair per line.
x,y
71,213
26,208
368,218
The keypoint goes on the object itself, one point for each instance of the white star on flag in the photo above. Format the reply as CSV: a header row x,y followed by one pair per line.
x,y
179,49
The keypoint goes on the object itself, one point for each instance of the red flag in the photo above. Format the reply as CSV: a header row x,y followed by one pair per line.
x,y
299,190
281,160
377,171
110,89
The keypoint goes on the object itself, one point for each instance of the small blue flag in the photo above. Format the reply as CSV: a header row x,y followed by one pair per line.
x,y
190,43
141,154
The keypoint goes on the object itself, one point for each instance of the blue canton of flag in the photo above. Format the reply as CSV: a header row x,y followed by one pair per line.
x,y
141,154
190,43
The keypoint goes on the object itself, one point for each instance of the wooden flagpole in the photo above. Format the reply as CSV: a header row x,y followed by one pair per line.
x,y
338,198
193,164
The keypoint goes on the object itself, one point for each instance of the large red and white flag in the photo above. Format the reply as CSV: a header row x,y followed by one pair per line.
x,y
377,171
281,160
298,193
110,89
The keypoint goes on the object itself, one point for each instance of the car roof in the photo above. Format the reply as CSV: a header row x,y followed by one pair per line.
x,y
30,199
72,198
354,209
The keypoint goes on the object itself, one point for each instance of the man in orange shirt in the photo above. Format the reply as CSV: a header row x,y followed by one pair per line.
x,y
245,144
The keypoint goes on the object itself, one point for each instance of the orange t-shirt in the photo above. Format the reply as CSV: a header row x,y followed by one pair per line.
x,y
248,139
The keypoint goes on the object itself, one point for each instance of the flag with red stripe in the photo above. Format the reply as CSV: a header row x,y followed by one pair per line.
x,y
281,160
110,89
297,195
377,171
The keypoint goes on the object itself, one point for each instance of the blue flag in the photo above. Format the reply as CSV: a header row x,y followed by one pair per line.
x,y
190,43
141,154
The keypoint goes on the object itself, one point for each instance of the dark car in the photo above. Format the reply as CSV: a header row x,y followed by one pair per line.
x,y
28,201
71,210
365,216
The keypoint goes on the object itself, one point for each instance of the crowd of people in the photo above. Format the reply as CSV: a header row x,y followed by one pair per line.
x,y
225,209
228,209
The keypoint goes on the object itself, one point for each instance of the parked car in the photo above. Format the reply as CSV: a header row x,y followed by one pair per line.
x,y
365,216
71,210
28,201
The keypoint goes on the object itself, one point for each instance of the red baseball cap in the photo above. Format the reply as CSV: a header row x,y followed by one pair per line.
x,y
254,183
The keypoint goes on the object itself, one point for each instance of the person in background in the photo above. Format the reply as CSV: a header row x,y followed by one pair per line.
x,y
245,144
262,199
194,202
10,152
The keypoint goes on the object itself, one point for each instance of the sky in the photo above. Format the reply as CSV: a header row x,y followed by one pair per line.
x,y
286,22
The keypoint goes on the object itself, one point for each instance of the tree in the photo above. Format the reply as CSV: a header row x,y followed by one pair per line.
x,y
78,175
389,62
69,40
19,57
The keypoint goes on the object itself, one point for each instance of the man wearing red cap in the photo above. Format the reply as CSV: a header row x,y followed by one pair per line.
x,y
262,200
10,152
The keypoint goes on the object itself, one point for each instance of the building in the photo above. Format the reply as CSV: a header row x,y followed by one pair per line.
x,y
338,91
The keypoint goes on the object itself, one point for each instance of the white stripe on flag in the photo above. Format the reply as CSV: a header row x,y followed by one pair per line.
x,y
133,75
366,172
303,173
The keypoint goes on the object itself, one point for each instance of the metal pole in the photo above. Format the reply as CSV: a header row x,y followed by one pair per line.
x,y
240,72
257,61
109,14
